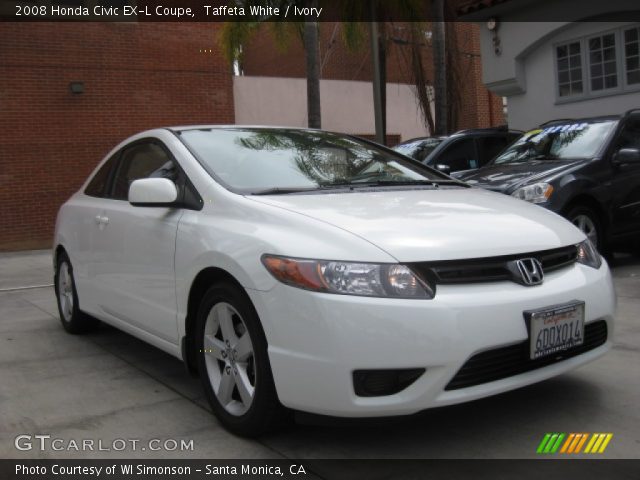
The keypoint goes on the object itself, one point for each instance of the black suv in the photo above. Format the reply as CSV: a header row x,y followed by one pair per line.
x,y
587,170
464,150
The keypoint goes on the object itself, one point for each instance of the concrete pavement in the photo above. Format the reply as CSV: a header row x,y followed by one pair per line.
x,y
109,385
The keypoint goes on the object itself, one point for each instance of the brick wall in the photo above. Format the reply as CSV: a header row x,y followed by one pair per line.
x,y
136,76
477,108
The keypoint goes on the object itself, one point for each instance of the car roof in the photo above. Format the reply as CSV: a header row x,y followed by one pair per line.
x,y
467,132
584,119
182,128
422,139
486,131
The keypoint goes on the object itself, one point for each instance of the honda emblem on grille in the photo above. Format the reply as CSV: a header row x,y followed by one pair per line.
x,y
527,271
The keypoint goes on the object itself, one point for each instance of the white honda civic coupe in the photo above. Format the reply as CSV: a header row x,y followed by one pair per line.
x,y
307,270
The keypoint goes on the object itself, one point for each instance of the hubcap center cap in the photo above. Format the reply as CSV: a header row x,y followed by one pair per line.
x,y
232,355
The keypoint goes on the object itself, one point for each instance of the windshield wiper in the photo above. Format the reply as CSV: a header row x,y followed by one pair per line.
x,y
354,185
284,190
384,183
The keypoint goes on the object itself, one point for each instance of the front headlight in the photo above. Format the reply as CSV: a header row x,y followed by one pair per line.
x,y
536,193
588,255
346,278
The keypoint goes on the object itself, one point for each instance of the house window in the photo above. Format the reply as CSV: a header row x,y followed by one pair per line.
x,y
631,55
604,64
569,69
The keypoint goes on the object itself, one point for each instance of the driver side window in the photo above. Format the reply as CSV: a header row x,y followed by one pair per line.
x,y
142,160
630,136
460,156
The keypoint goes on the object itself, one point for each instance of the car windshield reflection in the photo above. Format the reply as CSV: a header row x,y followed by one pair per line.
x,y
255,160
558,142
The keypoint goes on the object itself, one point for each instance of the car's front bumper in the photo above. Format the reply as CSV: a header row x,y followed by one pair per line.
x,y
316,340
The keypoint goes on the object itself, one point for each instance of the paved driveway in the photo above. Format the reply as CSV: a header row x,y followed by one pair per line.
x,y
108,385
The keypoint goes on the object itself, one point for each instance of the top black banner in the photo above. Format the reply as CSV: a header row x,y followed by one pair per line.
x,y
316,10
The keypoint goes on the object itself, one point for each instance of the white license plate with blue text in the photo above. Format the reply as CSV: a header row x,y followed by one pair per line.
x,y
555,329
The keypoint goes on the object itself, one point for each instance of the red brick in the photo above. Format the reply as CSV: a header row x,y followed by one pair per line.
x,y
136,76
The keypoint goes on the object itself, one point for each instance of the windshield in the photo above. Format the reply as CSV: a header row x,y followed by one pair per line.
x,y
558,142
418,149
256,160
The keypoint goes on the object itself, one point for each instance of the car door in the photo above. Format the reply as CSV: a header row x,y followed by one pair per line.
x,y
625,182
89,208
135,246
461,154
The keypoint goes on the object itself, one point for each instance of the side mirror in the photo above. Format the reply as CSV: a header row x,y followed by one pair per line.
x,y
446,169
626,155
153,192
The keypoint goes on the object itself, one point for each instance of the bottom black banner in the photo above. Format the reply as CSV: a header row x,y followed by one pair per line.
x,y
544,469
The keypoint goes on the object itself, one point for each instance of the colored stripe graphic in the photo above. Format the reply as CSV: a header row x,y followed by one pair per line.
x,y
555,443
568,442
598,443
550,443
605,442
556,446
581,443
543,443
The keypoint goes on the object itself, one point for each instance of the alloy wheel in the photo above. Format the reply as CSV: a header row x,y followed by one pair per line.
x,y
587,226
65,290
229,357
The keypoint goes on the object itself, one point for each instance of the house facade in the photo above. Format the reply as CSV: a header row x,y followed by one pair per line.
x,y
559,59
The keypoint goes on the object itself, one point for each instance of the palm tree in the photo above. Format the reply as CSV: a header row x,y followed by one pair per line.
x,y
234,35
312,54
439,67
380,10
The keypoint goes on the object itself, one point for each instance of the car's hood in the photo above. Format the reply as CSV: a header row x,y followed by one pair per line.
x,y
506,177
421,225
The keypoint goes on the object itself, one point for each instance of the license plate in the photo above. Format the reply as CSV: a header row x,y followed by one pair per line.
x,y
555,329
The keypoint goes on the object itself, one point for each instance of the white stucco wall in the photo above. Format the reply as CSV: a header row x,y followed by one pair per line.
x,y
345,106
524,72
540,103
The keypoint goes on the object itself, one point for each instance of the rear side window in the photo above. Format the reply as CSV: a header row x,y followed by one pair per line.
x,y
143,160
98,185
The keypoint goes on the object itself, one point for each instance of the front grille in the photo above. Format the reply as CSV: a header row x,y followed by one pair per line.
x,y
508,361
492,269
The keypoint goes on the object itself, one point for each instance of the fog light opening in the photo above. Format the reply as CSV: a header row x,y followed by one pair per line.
x,y
378,383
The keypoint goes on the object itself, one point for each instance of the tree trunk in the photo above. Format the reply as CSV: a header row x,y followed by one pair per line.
x,y
312,54
378,84
439,68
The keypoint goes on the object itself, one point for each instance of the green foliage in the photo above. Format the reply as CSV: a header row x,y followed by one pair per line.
x,y
233,35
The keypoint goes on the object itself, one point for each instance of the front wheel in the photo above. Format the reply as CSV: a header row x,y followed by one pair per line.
x,y
589,223
234,364
73,320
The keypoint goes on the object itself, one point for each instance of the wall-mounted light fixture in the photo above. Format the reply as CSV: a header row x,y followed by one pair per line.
x,y
76,87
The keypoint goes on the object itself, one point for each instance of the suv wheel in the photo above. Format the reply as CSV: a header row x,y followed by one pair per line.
x,y
233,362
73,320
589,223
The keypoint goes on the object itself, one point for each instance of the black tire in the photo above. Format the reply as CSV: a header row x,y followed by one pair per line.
x,y
581,212
72,318
265,412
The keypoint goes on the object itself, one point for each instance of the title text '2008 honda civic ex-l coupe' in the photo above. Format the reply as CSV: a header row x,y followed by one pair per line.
x,y
305,270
